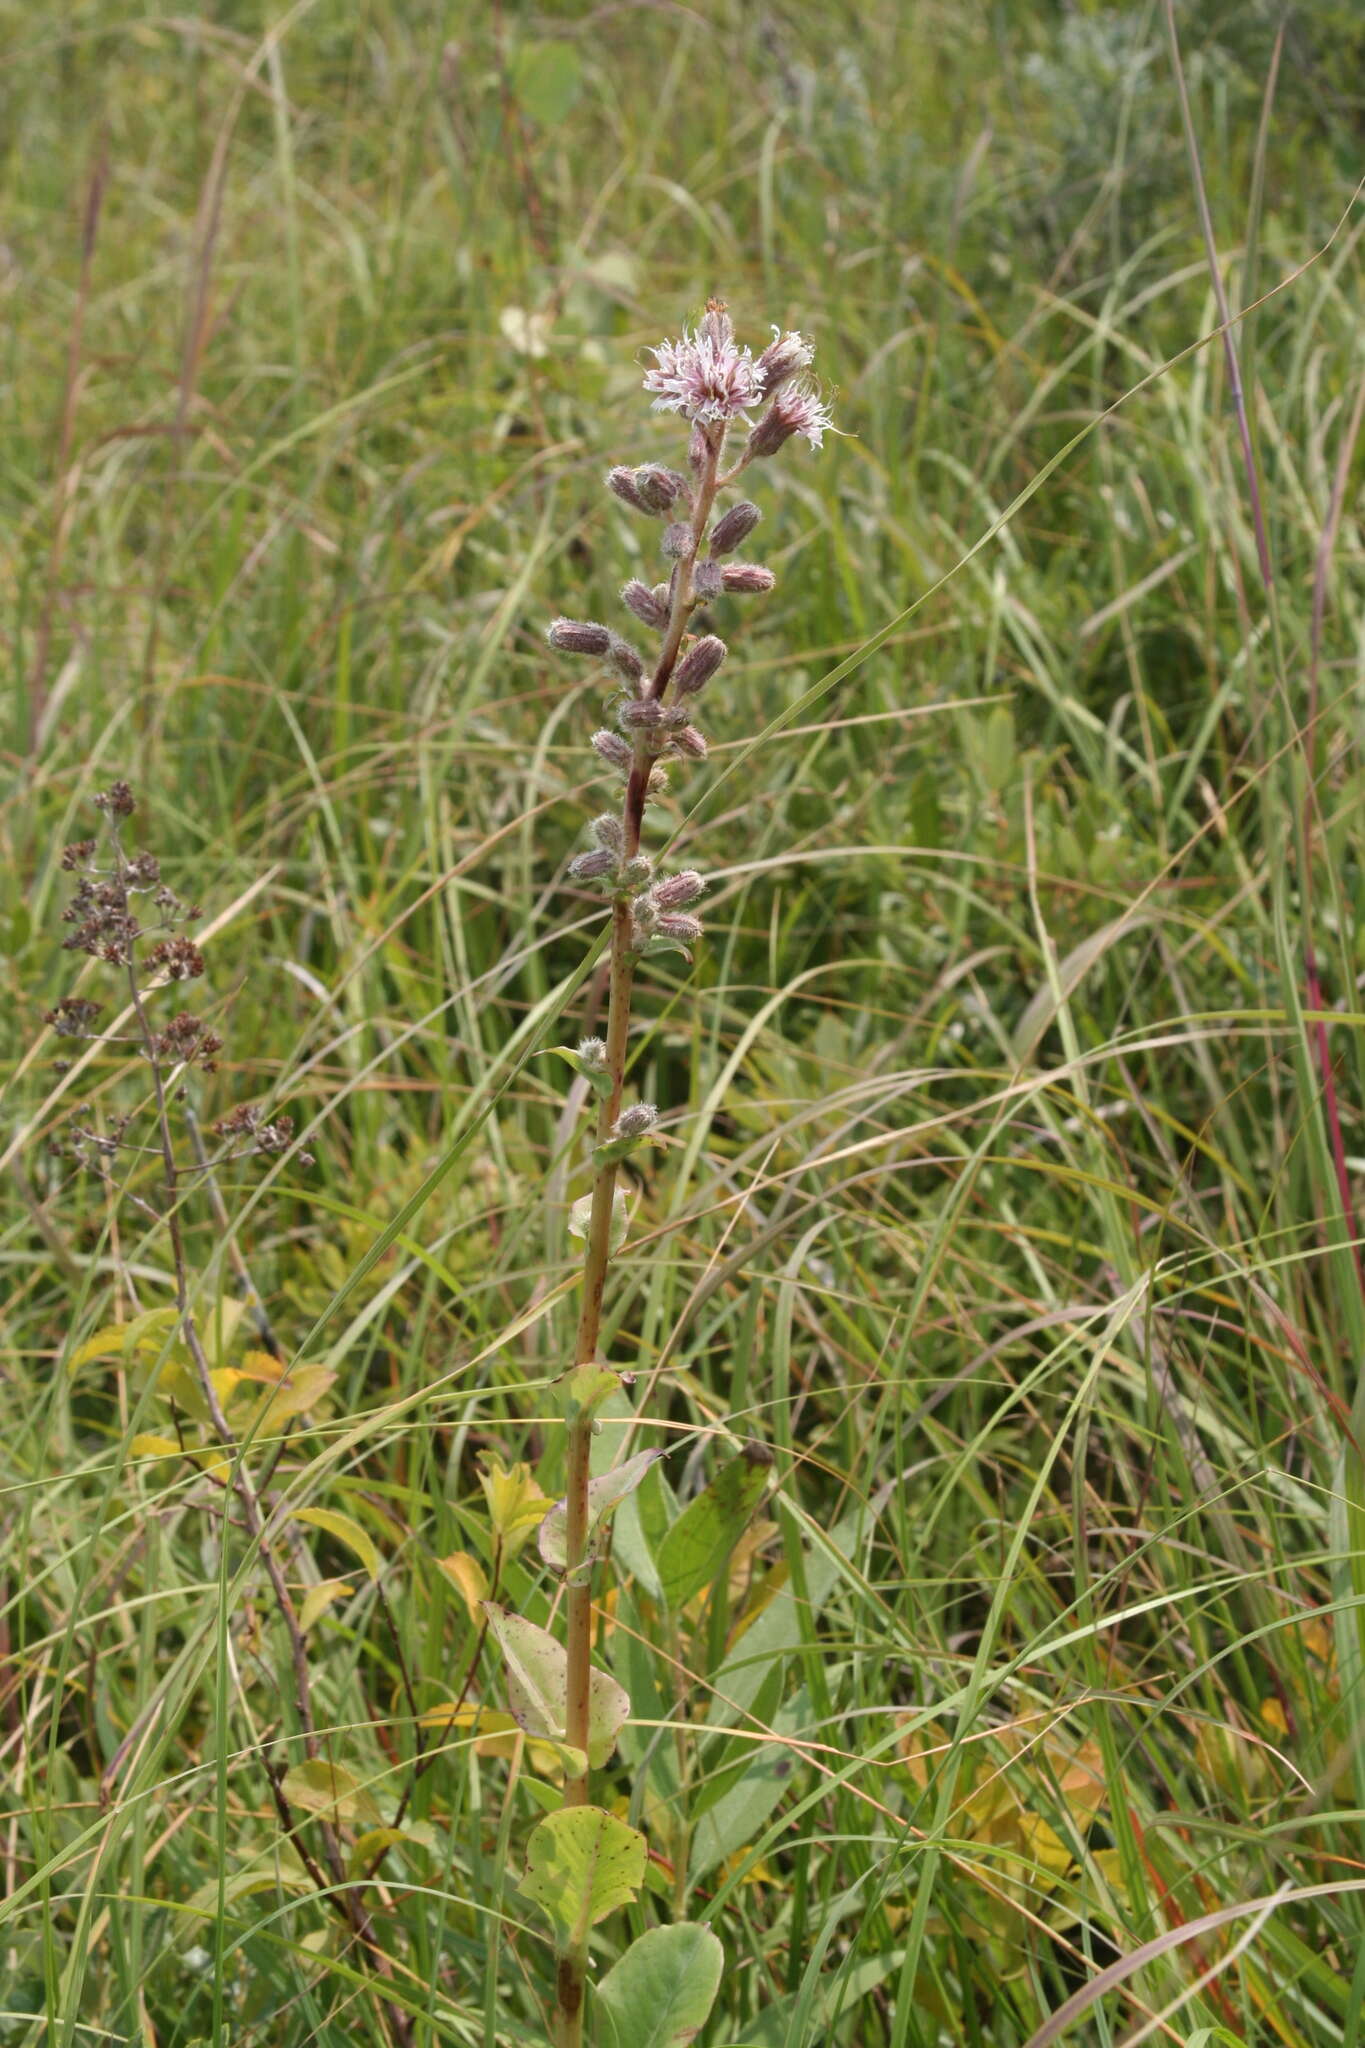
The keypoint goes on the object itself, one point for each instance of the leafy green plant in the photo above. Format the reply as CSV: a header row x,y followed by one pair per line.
x,y
582,1862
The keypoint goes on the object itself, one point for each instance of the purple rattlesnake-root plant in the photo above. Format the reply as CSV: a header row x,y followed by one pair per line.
x,y
582,1861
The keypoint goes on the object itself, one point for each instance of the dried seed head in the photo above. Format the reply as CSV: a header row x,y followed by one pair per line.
x,y
676,890
610,747
635,1121
740,577
733,527
677,541
706,579
639,598
179,959
608,832
117,801
579,636
591,867
73,1017
698,665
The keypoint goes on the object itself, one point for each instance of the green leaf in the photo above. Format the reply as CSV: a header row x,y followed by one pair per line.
x,y
538,1687
581,1864
585,1387
547,78
692,1554
580,1216
603,1495
346,1531
660,1992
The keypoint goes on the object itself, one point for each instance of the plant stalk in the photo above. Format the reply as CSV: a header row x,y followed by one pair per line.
x,y
572,1964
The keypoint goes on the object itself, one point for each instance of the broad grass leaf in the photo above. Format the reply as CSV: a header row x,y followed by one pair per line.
x,y
660,1993
693,1553
581,1864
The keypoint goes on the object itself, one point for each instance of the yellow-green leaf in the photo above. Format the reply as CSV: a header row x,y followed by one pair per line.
x,y
321,1787
581,1864
319,1598
346,1531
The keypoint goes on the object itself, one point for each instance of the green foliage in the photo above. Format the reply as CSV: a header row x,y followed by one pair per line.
x,y
660,1992
581,1865
996,1078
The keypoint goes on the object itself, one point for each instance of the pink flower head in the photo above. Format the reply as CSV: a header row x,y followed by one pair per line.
x,y
785,356
796,409
705,376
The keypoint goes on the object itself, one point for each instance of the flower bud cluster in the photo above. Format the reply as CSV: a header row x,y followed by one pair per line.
x,y
713,383
657,915
649,489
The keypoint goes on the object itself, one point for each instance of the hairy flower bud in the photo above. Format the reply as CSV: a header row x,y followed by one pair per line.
x,y
785,355
706,579
659,489
676,890
687,740
639,598
746,577
590,867
677,541
733,527
650,719
624,659
621,482
579,636
698,665
635,1121
609,832
593,1053
678,925
610,747
638,871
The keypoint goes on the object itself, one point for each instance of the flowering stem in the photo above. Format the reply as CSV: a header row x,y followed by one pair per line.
x,y
708,379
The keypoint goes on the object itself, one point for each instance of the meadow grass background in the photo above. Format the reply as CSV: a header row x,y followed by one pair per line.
x,y
1003,1202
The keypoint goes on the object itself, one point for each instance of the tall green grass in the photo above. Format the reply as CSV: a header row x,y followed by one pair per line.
x,y
1004,1203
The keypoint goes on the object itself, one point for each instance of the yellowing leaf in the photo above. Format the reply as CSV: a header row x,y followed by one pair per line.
x,y
154,1447
346,1531
497,1735
299,1391
139,1336
537,1688
468,1577
319,1598
327,1788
